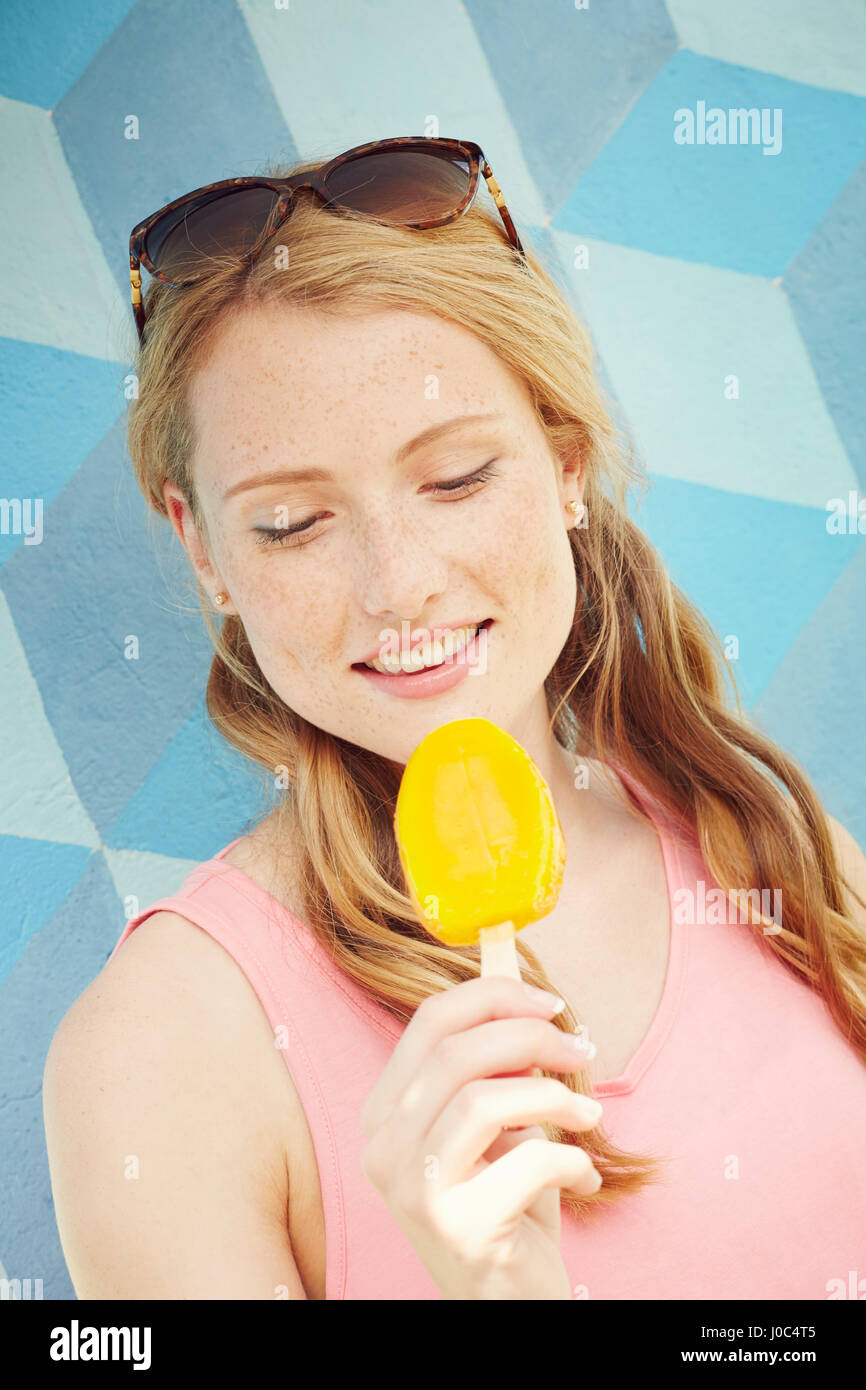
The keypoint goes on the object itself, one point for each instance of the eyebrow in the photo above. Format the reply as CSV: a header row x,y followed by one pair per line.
x,y
323,475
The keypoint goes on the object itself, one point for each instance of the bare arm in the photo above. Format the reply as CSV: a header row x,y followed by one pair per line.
x,y
169,1175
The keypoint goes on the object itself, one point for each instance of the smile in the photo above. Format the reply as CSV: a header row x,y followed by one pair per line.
x,y
432,666
433,652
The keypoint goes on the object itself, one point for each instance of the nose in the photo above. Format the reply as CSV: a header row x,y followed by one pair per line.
x,y
400,572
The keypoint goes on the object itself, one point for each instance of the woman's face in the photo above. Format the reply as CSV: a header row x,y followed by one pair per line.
x,y
321,465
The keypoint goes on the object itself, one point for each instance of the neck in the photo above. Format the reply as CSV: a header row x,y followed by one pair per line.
x,y
557,766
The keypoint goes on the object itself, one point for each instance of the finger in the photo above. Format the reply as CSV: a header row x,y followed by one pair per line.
x,y
505,1142
540,1210
507,1188
485,1051
470,1123
450,1011
509,1139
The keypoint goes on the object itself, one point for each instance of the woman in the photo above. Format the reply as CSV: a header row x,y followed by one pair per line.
x,y
385,422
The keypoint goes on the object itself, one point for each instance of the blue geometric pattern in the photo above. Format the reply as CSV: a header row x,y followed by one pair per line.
x,y
723,285
748,206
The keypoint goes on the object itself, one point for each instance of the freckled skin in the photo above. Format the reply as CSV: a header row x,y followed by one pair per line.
x,y
297,388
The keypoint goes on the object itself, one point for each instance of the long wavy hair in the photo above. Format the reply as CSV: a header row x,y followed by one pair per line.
x,y
639,683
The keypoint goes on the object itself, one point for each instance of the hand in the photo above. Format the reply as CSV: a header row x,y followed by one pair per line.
x,y
480,1206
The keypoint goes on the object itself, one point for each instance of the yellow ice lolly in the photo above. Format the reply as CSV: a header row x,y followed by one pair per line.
x,y
479,839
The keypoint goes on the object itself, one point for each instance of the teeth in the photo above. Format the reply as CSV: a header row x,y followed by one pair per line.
x,y
433,652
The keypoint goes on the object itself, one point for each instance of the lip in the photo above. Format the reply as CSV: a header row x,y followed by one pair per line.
x,y
434,627
435,680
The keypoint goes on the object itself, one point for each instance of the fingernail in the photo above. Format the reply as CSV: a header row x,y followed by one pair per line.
x,y
544,996
580,1042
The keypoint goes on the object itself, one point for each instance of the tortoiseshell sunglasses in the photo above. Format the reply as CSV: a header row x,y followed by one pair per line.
x,y
409,181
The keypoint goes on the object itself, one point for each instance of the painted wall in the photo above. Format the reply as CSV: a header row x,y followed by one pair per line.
x,y
723,284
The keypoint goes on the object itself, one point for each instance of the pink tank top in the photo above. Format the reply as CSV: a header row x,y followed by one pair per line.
x,y
743,1082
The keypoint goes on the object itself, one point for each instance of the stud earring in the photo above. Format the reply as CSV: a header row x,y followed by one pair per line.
x,y
572,506
220,598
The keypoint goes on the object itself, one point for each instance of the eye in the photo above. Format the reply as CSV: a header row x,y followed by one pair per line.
x,y
459,487
282,535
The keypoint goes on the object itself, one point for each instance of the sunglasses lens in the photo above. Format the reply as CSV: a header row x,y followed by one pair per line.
x,y
215,225
397,186
401,186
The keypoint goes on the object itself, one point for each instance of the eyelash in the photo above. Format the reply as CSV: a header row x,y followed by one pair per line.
x,y
455,486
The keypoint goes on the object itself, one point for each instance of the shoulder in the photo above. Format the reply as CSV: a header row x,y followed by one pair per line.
x,y
169,1170
178,988
176,980
847,847
852,863
172,1024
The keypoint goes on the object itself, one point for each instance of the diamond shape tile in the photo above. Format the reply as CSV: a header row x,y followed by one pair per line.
x,y
675,336
55,406
731,204
36,876
65,297
571,76
44,50
37,798
141,878
757,569
815,701
200,795
117,665
820,44
186,81
441,84
826,287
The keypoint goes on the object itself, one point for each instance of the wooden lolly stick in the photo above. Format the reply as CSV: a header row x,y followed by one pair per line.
x,y
498,951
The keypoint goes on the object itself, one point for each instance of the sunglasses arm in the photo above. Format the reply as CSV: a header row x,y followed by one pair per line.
x,y
496,194
135,290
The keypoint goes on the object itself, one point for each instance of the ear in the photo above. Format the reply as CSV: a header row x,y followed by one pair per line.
x,y
180,515
572,473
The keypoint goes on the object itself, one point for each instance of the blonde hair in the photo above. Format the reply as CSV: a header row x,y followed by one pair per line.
x,y
639,683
